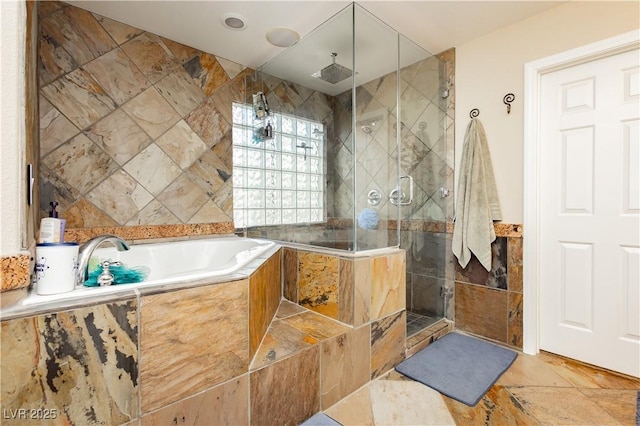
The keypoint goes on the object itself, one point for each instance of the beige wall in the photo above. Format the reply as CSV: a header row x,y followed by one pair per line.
x,y
491,66
12,127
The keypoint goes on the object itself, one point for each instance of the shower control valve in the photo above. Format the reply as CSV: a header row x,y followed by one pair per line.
x,y
374,197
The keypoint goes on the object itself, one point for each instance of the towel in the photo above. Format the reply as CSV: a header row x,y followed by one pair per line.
x,y
477,204
417,244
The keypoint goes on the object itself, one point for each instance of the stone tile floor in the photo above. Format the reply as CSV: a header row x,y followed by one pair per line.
x,y
536,390
418,322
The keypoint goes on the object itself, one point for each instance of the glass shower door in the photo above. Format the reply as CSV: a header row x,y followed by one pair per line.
x,y
423,159
375,135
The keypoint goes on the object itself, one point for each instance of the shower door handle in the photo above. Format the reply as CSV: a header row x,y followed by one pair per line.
x,y
397,196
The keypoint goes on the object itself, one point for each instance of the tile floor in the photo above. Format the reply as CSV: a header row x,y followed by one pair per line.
x,y
536,390
418,322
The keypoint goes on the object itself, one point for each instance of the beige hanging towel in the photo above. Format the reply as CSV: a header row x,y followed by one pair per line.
x,y
477,204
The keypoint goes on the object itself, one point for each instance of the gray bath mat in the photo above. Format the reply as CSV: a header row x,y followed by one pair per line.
x,y
320,419
461,367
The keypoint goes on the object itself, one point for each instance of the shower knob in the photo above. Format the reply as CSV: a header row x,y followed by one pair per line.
x,y
373,197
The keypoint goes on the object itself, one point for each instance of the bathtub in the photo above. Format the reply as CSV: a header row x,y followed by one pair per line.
x,y
218,259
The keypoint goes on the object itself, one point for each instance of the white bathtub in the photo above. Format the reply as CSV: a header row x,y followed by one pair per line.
x,y
171,263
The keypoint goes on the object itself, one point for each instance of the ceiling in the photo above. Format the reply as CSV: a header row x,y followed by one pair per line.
x,y
433,25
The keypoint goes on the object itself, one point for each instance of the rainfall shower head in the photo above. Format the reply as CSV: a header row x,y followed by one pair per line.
x,y
333,73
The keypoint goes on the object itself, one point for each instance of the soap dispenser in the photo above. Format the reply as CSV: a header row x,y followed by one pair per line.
x,y
52,227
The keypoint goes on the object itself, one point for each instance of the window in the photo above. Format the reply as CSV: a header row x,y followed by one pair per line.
x,y
278,180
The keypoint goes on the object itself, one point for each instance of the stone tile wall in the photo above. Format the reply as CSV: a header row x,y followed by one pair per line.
x,y
184,356
15,271
115,100
354,291
332,358
161,357
286,392
489,304
80,366
365,293
191,340
265,292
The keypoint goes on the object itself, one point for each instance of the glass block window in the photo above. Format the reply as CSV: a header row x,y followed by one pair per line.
x,y
277,180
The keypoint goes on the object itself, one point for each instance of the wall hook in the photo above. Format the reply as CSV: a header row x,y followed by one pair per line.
x,y
508,98
474,113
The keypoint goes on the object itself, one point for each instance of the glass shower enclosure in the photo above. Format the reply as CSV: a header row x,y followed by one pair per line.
x,y
338,143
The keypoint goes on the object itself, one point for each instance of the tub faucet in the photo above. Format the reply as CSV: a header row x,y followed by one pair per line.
x,y
86,250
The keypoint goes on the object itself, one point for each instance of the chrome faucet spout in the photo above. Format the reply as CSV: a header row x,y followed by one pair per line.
x,y
86,250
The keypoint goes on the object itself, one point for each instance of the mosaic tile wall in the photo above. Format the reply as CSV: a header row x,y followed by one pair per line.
x,y
134,128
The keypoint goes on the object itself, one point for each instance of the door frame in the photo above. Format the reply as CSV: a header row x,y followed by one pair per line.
x,y
531,244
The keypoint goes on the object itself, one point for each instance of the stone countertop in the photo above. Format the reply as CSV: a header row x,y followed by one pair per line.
x,y
145,232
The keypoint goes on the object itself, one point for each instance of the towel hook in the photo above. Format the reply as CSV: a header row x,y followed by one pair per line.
x,y
508,98
474,113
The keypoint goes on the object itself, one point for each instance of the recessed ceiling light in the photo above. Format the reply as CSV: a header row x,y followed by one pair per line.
x,y
282,37
233,21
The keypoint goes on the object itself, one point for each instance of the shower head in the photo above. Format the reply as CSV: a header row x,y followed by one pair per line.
x,y
369,125
333,73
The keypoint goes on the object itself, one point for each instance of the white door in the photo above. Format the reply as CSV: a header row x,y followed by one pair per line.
x,y
590,212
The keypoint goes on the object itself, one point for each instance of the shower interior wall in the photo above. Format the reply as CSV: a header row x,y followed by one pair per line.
x,y
359,117
362,153
428,156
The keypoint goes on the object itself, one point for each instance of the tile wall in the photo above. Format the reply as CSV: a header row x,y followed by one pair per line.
x,y
80,365
129,98
308,361
351,290
191,340
114,99
429,272
114,362
183,86
489,304
188,356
